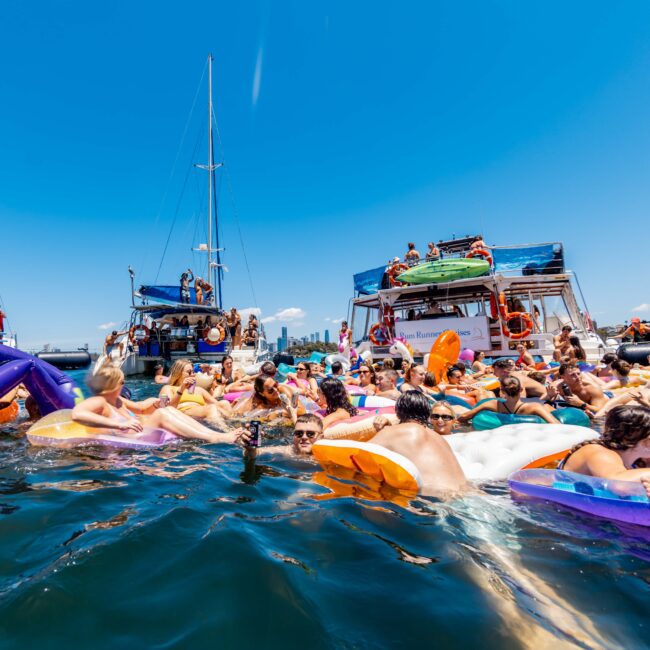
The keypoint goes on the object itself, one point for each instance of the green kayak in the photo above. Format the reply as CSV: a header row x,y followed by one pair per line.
x,y
445,271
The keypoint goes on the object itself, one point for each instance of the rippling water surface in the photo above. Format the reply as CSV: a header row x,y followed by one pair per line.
x,y
188,547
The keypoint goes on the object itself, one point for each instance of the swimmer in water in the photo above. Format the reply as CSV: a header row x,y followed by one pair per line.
x,y
426,449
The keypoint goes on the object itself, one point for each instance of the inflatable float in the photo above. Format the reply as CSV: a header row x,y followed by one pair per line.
x,y
9,413
371,401
634,352
359,427
491,420
444,353
58,430
385,466
625,501
51,389
492,455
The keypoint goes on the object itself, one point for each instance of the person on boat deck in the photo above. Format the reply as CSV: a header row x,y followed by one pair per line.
x,y
412,256
433,308
308,429
186,278
345,333
637,331
622,453
108,410
185,321
253,322
561,341
367,379
250,336
414,439
334,399
534,390
202,287
159,376
571,388
537,320
111,341
187,397
478,243
304,383
525,360
387,384
433,253
266,397
233,320
510,403
576,351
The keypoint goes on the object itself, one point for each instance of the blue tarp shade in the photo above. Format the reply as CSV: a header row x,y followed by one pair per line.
x,y
166,293
369,282
532,260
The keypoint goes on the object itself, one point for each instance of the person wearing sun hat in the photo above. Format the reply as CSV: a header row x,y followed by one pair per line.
x,y
637,331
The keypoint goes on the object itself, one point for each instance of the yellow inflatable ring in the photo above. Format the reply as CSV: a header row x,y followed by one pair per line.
x,y
379,463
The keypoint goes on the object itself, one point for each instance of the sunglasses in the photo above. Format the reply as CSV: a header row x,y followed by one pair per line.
x,y
301,368
269,389
364,372
438,416
300,434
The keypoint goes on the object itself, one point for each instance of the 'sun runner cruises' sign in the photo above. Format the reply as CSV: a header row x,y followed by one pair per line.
x,y
474,332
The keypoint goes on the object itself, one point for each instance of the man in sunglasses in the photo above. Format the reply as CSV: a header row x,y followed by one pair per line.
x,y
426,449
307,430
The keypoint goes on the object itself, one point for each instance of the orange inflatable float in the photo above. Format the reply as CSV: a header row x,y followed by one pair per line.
x,y
444,353
9,413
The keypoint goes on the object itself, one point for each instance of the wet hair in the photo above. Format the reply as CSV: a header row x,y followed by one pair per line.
x,y
105,380
411,245
567,328
564,367
511,386
459,366
452,370
625,427
336,367
413,406
429,380
310,418
258,387
176,371
336,397
477,354
608,358
622,367
388,364
268,368
537,376
578,350
114,332
502,364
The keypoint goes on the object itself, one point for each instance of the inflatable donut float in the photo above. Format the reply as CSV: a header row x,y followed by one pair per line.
x,y
9,413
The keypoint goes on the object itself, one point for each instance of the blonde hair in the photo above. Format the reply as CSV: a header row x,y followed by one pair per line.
x,y
445,405
176,371
105,380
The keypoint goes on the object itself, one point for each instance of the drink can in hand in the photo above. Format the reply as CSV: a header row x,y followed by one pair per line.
x,y
254,426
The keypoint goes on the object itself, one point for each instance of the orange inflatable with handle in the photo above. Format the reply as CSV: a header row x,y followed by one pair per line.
x,y
9,413
444,353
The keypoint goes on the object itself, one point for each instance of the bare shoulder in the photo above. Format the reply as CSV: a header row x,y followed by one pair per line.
x,y
406,432
96,404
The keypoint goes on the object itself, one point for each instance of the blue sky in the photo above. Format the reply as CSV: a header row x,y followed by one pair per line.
x,y
347,128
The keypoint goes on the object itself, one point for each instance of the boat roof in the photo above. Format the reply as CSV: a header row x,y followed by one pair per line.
x,y
157,310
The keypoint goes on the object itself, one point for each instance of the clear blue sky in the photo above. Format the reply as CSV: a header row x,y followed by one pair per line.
x,y
348,129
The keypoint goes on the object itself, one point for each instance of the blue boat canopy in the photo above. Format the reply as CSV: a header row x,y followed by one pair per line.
x,y
538,259
166,293
369,282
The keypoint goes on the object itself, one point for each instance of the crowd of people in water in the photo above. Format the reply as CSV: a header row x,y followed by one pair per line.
x,y
212,402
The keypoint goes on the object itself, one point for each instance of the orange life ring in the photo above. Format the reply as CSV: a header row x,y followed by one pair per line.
x,y
394,271
139,339
206,335
515,336
481,252
494,312
373,331
9,413
503,306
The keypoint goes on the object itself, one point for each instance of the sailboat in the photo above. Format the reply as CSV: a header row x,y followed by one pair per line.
x,y
172,322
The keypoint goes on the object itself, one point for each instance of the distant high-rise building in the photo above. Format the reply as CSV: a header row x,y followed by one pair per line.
x,y
285,336
317,337
311,338
281,344
327,336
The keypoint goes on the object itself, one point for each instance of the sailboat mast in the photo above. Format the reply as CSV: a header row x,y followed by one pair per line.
x,y
211,277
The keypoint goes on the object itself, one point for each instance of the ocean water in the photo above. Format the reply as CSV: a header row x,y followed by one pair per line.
x,y
189,547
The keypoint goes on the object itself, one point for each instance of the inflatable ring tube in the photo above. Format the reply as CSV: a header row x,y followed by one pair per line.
x,y
214,335
395,270
453,400
354,390
371,401
235,395
9,413
495,454
359,427
494,311
461,394
381,464
480,252
625,501
133,336
58,430
526,319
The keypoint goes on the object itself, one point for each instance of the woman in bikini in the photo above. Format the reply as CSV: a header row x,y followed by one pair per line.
x,y
621,453
108,410
334,399
367,379
510,404
267,401
183,394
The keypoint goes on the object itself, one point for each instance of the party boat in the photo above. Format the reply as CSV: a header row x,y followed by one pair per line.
x,y
167,324
523,294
